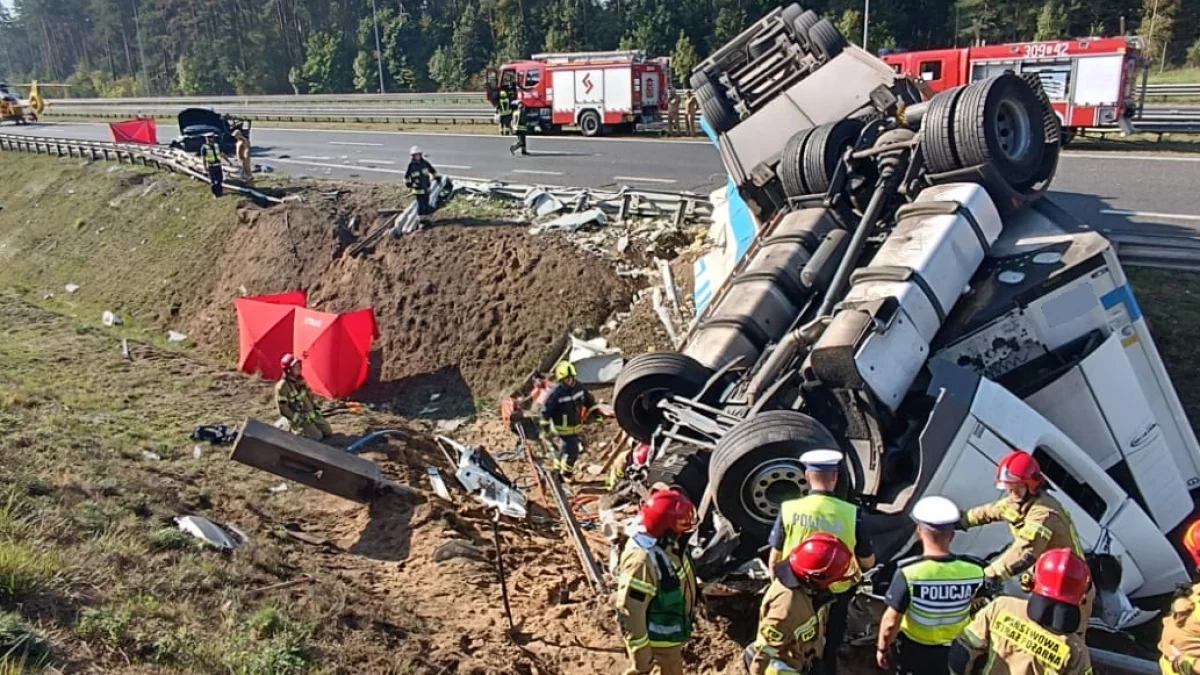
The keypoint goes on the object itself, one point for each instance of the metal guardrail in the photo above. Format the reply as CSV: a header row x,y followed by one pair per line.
x,y
441,98
1172,90
365,117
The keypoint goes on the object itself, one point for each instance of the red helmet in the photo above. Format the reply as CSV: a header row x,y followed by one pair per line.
x,y
822,559
640,454
1019,467
668,511
1191,542
1062,576
288,361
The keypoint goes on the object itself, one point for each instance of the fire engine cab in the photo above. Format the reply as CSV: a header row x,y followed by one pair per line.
x,y
1091,82
596,91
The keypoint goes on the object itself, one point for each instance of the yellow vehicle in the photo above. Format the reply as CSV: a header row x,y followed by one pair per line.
x,y
21,111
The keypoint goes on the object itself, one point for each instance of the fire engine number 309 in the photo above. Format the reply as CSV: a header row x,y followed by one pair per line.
x,y
1044,49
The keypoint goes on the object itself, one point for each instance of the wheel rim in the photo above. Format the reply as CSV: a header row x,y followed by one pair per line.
x,y
770,484
645,408
589,124
1013,130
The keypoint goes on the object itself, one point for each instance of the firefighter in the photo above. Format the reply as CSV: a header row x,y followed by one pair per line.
x,y
520,128
691,108
791,619
1037,521
504,108
295,402
564,412
656,588
419,178
1180,643
929,600
673,114
629,461
822,511
210,153
1036,636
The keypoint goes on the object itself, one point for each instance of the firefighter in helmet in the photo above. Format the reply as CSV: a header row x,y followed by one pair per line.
x,y
1038,636
1180,643
1038,523
419,178
656,588
631,462
295,402
564,413
792,617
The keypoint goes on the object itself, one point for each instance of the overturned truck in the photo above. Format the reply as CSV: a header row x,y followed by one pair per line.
x,y
914,299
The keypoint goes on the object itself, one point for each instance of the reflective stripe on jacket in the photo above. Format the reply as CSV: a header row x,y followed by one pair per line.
x,y
940,594
821,513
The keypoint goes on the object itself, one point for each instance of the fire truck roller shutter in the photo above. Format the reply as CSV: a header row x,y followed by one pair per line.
x,y
649,378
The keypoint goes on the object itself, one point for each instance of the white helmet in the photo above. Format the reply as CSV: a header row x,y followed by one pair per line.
x,y
414,150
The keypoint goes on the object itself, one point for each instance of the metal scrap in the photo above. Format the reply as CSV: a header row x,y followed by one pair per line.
x,y
219,536
479,474
574,222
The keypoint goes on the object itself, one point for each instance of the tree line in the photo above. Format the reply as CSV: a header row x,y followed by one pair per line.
x,y
116,48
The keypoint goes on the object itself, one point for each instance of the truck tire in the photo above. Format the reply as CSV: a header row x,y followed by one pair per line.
x,y
825,40
590,124
718,110
791,164
699,79
937,132
684,467
792,12
825,149
756,467
998,122
645,381
804,23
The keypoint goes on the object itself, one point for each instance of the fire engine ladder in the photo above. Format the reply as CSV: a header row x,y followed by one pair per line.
x,y
562,58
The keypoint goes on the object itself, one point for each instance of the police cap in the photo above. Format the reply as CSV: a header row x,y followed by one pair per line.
x,y
821,460
936,513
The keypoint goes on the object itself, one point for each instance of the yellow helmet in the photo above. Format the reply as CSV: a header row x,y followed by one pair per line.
x,y
565,370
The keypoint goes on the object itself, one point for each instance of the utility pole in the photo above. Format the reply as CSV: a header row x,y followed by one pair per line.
x,y
866,21
378,51
137,22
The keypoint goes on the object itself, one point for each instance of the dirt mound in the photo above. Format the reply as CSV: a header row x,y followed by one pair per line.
x,y
464,312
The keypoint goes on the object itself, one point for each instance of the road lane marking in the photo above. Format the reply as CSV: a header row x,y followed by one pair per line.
x,y
456,167
350,167
1149,214
538,173
1120,155
642,179
498,139
376,161
373,145
316,157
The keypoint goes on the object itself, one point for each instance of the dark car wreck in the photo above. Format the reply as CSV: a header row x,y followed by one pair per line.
x,y
196,123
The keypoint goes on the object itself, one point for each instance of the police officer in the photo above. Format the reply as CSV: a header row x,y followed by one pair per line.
x,y
821,511
929,600
210,153
520,128
1038,522
791,620
504,107
1038,636
564,413
1180,643
419,178
656,587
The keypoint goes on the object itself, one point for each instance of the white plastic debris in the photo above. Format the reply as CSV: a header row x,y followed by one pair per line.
x,y
222,537
151,455
439,484
197,451
595,361
109,319
71,288
542,203
175,336
276,489
573,222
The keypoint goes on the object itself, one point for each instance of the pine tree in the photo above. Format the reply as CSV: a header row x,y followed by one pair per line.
x,y
684,58
1052,21
1158,27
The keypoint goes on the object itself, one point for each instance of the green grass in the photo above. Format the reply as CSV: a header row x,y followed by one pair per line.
x,y
1170,300
1115,142
1175,76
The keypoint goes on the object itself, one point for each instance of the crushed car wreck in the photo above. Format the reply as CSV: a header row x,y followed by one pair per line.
x,y
915,300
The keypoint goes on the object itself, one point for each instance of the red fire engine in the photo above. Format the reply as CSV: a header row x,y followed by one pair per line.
x,y
1091,82
598,91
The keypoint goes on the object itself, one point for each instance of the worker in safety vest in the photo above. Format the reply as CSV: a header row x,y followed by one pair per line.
x,y
504,108
1038,523
564,413
1038,636
295,402
1180,643
419,178
520,128
210,154
821,511
929,600
791,619
656,588
691,109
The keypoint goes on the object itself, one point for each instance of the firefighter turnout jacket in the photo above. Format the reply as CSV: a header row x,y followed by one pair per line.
x,y
1180,641
1038,524
566,407
656,593
1010,643
420,176
791,631
821,512
295,402
934,596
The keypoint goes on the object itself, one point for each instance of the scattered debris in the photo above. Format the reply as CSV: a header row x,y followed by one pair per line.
x,y
541,202
197,451
276,489
574,222
175,336
483,478
125,353
109,319
70,288
153,456
458,548
219,536
304,579
595,361
438,483
450,426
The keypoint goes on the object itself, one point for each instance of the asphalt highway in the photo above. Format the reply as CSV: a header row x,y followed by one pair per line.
x,y
1130,192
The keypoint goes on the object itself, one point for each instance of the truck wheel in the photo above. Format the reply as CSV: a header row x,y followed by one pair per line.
x,y
756,467
717,110
684,467
825,149
791,164
825,39
589,123
792,12
803,24
646,380
762,44
699,79
999,122
937,132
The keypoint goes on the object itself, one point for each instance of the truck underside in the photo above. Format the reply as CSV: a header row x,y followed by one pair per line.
x,y
913,300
